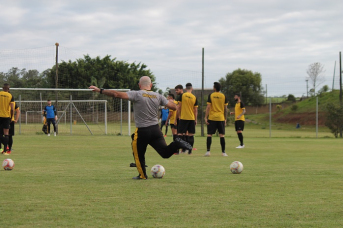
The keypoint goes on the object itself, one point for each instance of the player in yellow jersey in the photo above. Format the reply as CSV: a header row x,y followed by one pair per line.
x,y
6,113
239,119
188,112
11,131
215,117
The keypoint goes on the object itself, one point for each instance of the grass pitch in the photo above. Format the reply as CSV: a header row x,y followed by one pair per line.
x,y
85,181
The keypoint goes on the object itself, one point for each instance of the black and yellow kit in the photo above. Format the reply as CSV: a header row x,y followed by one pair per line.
x,y
239,122
173,116
216,117
187,119
5,109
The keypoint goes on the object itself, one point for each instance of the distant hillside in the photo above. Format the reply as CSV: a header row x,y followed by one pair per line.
x,y
304,112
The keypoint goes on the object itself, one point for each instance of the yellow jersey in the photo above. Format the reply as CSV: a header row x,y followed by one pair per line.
x,y
218,104
238,110
188,103
15,108
173,114
5,108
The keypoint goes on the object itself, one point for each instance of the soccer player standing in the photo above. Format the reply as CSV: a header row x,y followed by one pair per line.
x,y
51,116
6,114
188,112
146,104
239,119
215,117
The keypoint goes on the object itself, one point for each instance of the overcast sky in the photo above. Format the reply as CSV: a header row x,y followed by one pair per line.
x,y
278,39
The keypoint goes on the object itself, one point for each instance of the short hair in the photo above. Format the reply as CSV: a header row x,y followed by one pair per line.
x,y
188,85
171,95
238,94
49,100
217,86
179,87
6,86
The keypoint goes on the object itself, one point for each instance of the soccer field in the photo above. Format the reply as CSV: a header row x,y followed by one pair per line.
x,y
85,181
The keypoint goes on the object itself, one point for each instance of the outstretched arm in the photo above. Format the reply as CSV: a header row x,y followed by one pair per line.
x,y
111,93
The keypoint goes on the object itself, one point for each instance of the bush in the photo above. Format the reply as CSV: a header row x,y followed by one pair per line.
x,y
334,118
294,108
278,108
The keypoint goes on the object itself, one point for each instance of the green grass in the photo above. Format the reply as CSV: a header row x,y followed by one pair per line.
x,y
85,181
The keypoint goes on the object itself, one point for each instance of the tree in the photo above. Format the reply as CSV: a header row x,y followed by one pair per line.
x,y
334,118
245,82
291,98
324,89
106,72
315,72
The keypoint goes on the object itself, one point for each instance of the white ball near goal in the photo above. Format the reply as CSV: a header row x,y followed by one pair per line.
x,y
158,171
8,164
236,167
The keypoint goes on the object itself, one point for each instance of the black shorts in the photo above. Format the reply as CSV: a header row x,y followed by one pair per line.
x,y
51,120
239,125
5,122
11,132
213,126
173,126
186,125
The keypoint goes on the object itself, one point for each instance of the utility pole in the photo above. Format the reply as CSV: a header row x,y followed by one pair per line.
x,y
202,94
340,80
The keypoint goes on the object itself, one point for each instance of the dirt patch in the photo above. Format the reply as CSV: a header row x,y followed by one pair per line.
x,y
301,118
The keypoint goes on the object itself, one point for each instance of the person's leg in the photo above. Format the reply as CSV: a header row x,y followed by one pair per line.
x,y
159,144
5,139
53,121
10,142
166,130
139,145
48,121
239,128
221,131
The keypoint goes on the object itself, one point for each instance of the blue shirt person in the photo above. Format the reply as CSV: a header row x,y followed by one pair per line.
x,y
51,116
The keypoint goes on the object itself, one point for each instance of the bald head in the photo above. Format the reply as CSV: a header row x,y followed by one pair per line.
x,y
145,83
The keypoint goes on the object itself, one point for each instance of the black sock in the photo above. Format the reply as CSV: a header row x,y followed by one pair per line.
x,y
240,136
10,142
222,143
54,127
190,140
184,138
5,142
174,137
208,143
1,140
166,130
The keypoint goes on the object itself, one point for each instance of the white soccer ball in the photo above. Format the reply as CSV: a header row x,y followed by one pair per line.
x,y
236,167
8,164
158,171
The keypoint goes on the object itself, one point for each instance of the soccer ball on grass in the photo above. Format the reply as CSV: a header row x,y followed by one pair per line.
x,y
158,171
236,167
8,164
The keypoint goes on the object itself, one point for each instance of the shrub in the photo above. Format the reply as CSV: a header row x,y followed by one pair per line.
x,y
294,108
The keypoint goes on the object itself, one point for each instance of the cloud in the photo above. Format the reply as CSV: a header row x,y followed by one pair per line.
x,y
279,39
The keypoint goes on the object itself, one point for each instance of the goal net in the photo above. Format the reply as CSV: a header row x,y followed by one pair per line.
x,y
84,113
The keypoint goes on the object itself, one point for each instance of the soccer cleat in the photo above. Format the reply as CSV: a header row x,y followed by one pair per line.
x,y
165,135
224,154
195,148
240,147
7,153
54,133
48,134
139,178
183,144
177,153
208,153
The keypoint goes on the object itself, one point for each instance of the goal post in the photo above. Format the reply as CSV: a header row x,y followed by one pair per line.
x,y
88,112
